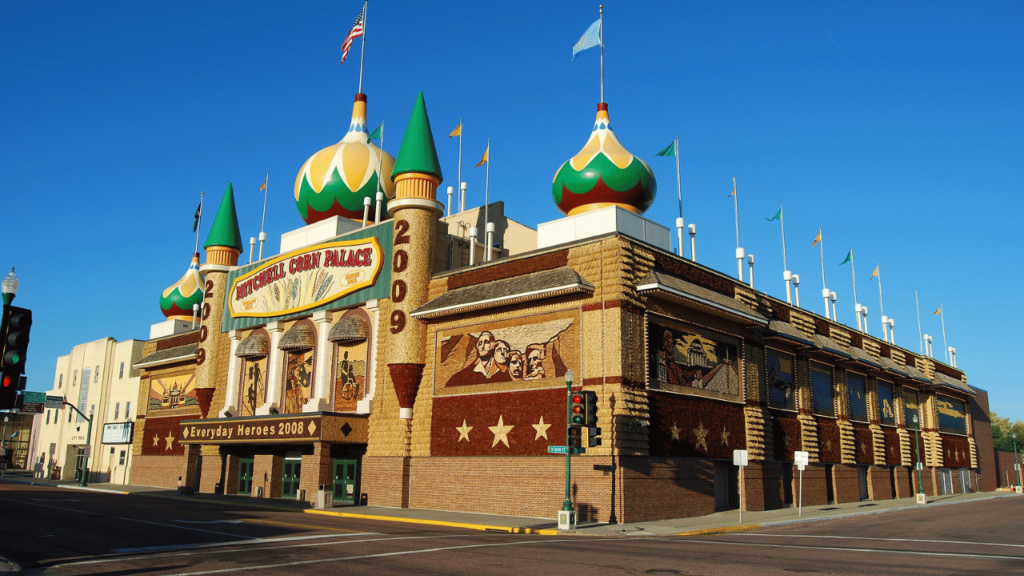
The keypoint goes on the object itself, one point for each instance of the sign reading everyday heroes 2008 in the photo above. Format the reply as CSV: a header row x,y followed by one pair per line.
x,y
305,279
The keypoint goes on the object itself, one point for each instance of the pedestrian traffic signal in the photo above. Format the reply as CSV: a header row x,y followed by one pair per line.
x,y
575,437
578,409
14,342
8,390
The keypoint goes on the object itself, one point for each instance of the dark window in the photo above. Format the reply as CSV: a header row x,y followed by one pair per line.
x,y
951,414
822,392
779,379
910,402
121,375
886,409
857,387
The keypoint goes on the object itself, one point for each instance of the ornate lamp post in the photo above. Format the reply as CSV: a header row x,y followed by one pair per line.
x,y
566,516
9,287
922,498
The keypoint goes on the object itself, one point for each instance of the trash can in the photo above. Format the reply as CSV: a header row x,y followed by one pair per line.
x,y
55,473
325,496
300,494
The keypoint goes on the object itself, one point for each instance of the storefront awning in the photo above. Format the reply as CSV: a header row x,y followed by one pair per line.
x,y
787,331
958,385
169,356
860,356
690,294
527,288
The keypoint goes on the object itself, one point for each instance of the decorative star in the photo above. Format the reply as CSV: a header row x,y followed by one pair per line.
x,y
500,432
156,440
542,429
785,441
725,436
463,431
169,440
863,447
828,443
700,433
675,430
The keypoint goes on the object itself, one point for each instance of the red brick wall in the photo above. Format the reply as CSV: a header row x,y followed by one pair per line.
x,y
815,488
162,471
267,470
317,470
846,480
684,488
1003,467
989,478
776,481
904,488
880,482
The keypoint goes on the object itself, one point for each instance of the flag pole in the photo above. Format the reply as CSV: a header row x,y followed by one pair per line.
x,y
856,302
736,211
263,222
462,191
920,338
199,226
679,190
824,287
362,48
487,217
380,160
881,306
785,266
600,10
945,347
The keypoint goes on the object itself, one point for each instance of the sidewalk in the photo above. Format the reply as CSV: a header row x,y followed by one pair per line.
x,y
717,523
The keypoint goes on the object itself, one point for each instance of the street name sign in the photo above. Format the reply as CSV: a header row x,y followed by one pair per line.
x,y
558,449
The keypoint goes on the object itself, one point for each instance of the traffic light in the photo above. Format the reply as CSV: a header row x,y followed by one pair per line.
x,y
578,409
8,391
14,344
590,418
575,437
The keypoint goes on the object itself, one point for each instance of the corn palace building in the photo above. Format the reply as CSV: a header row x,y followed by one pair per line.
x,y
370,360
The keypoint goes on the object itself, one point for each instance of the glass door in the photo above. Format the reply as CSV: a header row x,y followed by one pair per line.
x,y
345,475
290,478
245,476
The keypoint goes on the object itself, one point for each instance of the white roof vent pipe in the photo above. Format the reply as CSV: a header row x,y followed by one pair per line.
x,y
252,247
833,297
928,345
451,190
693,242
472,245
788,277
864,310
885,328
750,264
366,209
462,196
826,293
679,234
740,254
376,210
796,289
892,331
488,253
952,356
857,311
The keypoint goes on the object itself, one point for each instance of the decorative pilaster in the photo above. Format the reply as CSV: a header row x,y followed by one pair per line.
x,y
231,394
320,400
274,371
847,443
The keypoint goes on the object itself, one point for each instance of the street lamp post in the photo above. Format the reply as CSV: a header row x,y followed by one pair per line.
x,y
922,498
3,447
1015,460
566,516
9,287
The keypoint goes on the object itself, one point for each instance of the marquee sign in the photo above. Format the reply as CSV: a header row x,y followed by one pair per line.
x,y
265,430
306,278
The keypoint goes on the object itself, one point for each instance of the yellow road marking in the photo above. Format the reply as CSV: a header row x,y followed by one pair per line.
x,y
483,527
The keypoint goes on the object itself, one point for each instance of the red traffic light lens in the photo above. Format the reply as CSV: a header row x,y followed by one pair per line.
x,y
8,381
577,409
577,399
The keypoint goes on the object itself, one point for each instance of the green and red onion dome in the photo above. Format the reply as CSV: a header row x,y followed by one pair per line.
x,y
334,181
177,300
603,174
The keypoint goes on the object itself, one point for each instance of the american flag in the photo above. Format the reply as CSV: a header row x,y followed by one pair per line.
x,y
355,32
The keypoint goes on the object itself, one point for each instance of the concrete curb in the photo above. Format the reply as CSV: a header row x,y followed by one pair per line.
x,y
468,526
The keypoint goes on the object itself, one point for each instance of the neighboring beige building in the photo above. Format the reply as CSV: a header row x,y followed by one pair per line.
x,y
97,378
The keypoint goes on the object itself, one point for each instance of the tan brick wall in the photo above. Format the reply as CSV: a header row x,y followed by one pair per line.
x,y
384,479
267,470
880,483
162,471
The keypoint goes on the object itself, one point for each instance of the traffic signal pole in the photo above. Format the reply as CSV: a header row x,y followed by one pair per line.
x,y
567,505
88,443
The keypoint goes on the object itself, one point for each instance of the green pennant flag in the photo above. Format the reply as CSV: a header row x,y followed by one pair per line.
x,y
375,135
778,215
849,257
669,150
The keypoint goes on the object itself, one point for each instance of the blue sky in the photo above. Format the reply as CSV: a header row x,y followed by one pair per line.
x,y
895,126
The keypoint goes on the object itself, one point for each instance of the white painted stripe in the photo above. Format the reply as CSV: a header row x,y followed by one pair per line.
x,y
255,541
964,542
367,556
208,521
868,550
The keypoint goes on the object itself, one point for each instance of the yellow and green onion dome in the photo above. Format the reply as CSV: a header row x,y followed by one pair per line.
x,y
603,174
334,181
177,300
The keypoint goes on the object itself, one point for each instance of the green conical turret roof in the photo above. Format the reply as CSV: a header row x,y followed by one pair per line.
x,y
224,231
417,153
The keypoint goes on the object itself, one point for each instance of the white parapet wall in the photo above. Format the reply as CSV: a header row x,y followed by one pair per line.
x,y
603,221
317,232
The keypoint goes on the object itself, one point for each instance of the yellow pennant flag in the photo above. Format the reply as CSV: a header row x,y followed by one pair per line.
x,y
816,239
937,311
733,188
484,159
457,131
875,273
264,185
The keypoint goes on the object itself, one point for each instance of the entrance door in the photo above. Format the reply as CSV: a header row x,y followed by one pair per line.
x,y
862,480
345,475
290,478
245,466
830,492
721,485
947,480
79,464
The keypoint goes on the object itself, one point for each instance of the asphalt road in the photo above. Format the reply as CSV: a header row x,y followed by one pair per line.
x,y
62,532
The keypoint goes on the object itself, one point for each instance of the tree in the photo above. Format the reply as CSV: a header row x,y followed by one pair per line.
x,y
1002,433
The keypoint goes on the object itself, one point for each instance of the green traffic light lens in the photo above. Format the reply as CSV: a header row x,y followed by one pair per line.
x,y
14,358
577,419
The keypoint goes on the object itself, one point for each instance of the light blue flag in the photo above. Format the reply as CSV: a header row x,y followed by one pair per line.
x,y
590,38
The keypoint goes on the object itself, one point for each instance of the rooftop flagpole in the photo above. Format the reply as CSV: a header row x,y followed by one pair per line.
x,y
920,338
600,10
263,222
945,347
199,221
362,48
824,286
462,193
